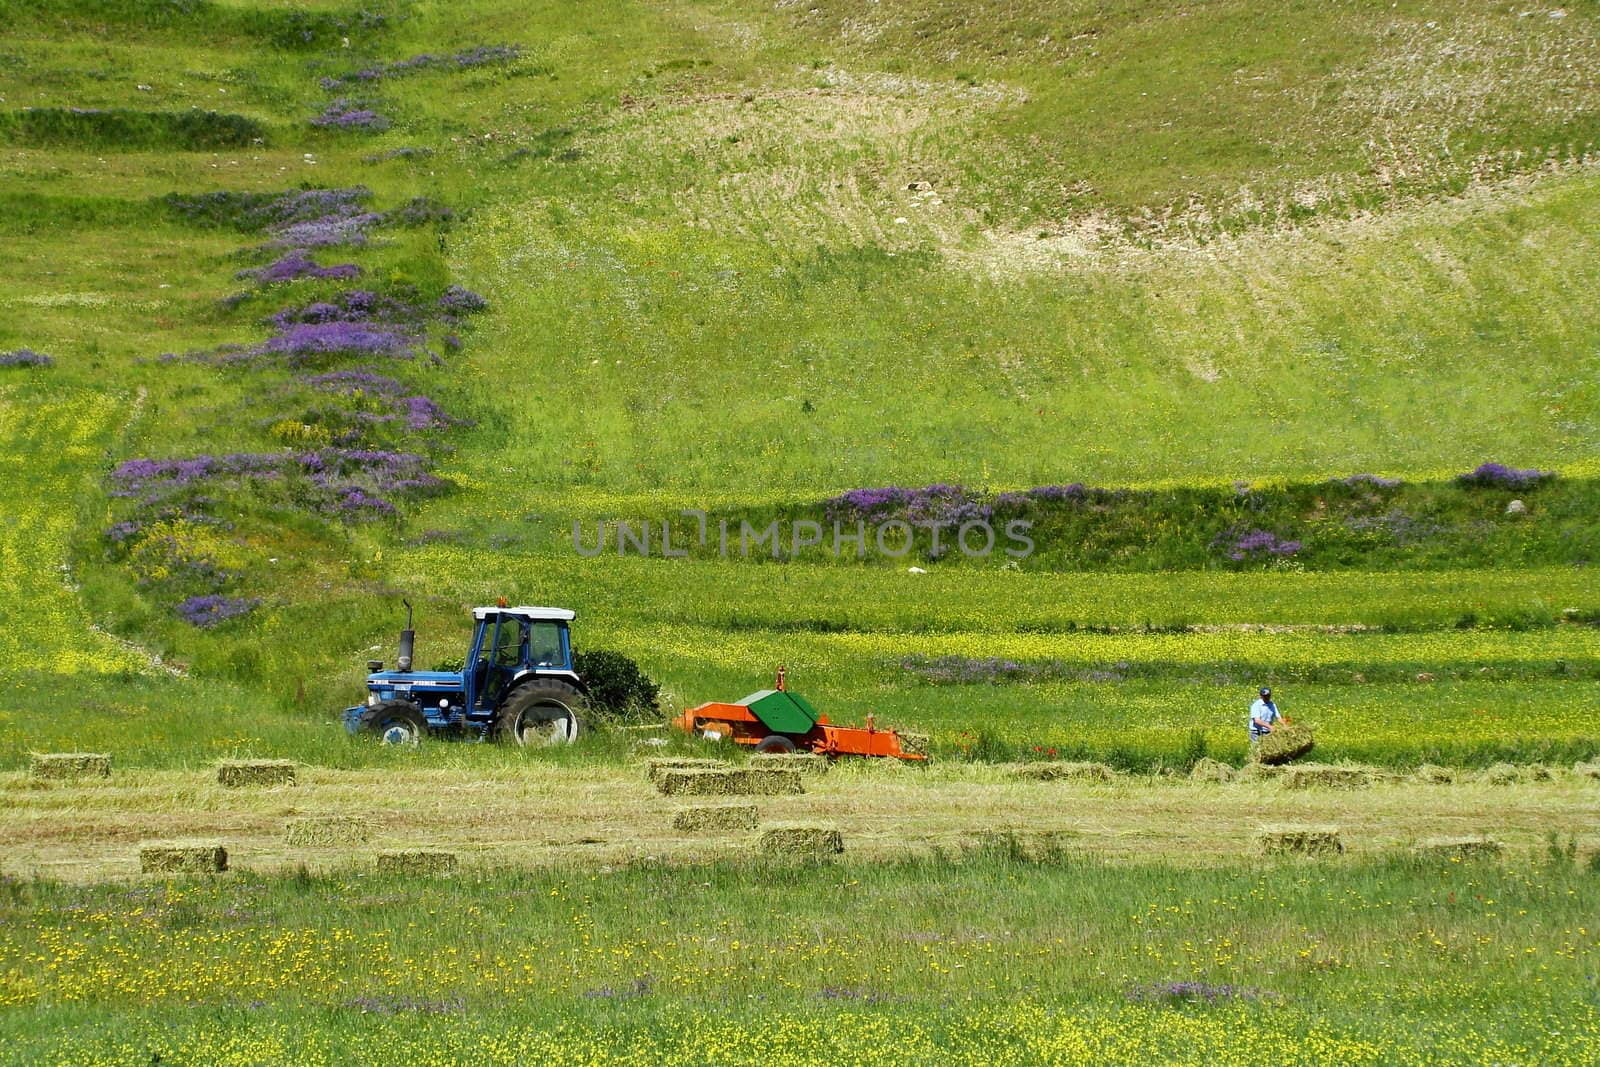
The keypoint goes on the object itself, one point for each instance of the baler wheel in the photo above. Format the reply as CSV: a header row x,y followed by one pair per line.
x,y
544,711
775,743
395,722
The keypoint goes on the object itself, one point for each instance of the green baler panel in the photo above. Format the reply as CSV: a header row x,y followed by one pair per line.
x,y
781,712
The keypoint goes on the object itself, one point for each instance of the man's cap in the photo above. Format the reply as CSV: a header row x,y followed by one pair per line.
x,y
1266,692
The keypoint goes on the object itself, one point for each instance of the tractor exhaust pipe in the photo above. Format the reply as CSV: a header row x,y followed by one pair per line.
x,y
408,643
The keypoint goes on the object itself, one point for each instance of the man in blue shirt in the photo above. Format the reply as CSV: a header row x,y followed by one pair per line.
x,y
1264,716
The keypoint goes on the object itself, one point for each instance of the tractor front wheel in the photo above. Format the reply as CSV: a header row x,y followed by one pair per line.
x,y
775,743
541,712
395,722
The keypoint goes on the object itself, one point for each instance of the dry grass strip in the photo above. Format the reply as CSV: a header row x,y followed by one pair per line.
x,y
238,773
1433,774
1456,849
1056,772
1325,776
1299,841
1283,744
804,762
171,857
658,767
322,831
741,781
58,765
799,839
716,817
417,861
1206,769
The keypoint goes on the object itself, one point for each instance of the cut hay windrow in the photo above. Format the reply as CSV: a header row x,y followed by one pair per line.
x,y
1257,772
1325,776
1456,849
804,762
1299,840
238,773
63,765
658,767
733,782
1283,744
417,861
1433,774
716,817
322,831
914,744
797,839
1587,770
1066,771
176,857
1206,769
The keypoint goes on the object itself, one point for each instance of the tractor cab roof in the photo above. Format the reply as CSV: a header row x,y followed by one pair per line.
x,y
525,612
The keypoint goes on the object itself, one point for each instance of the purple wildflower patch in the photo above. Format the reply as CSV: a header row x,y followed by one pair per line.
x,y
1255,544
479,56
1195,993
458,300
354,305
1376,481
342,114
25,357
325,231
966,670
297,264
1500,476
355,381
214,608
934,504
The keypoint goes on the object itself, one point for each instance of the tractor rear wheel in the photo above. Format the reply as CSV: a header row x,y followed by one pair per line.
x,y
775,743
395,722
545,711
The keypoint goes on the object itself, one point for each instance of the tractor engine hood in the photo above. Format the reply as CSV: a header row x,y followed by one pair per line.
x,y
415,680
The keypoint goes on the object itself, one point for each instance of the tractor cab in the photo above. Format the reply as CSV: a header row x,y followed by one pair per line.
x,y
520,658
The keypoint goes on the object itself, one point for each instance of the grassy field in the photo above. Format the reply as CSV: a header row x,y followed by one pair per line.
x,y
309,307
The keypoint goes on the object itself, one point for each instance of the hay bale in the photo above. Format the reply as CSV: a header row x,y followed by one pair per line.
x,y
1325,776
1587,770
716,817
1257,772
658,767
322,831
1501,774
1282,745
174,857
60,765
238,773
1433,774
805,762
914,744
1538,772
416,861
1299,841
1456,849
733,782
797,839
1065,771
1206,769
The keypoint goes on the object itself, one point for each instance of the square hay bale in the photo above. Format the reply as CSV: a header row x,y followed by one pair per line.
x,y
732,782
1501,774
1282,745
1325,776
716,817
1056,772
1456,849
178,857
797,839
60,765
1206,769
804,762
1257,772
658,767
238,773
416,861
324,831
1587,770
1433,774
1299,841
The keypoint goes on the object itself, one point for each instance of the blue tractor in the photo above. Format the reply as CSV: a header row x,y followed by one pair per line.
x,y
517,684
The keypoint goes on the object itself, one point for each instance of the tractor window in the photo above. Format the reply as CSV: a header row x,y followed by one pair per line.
x,y
508,643
544,643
